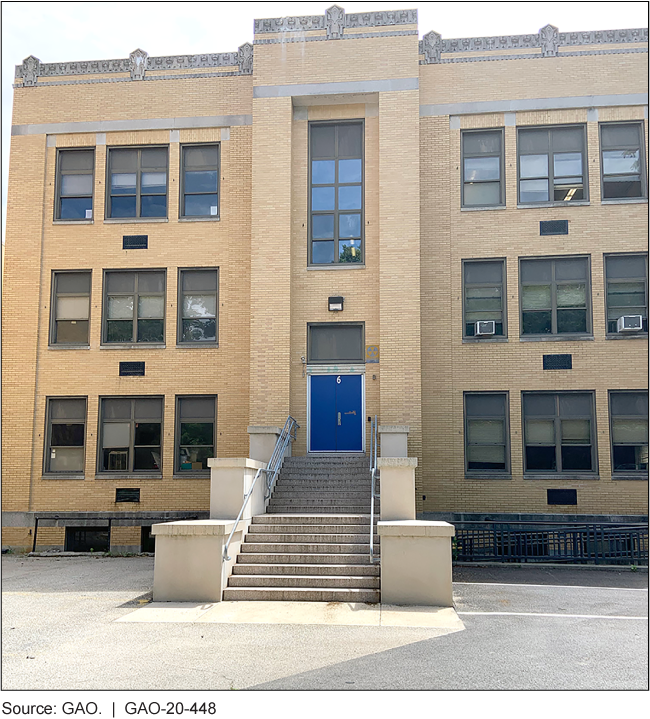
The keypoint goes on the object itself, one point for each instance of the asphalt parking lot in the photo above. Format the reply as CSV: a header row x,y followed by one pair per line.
x,y
529,628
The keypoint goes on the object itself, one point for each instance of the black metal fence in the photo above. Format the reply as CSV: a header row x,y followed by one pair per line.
x,y
551,542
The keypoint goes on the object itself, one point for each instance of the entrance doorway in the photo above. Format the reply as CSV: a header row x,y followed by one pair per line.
x,y
336,413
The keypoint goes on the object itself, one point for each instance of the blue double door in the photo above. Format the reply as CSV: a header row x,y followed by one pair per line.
x,y
336,419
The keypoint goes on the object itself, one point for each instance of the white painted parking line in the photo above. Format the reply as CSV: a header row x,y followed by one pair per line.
x,y
554,586
564,616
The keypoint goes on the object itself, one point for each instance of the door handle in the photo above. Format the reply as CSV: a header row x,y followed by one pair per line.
x,y
339,419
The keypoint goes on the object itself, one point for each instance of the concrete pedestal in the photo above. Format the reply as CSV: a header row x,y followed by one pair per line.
x,y
230,480
262,442
393,440
397,480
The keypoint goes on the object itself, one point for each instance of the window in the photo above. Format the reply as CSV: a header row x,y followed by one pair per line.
x,y
622,161
331,343
552,165
336,193
137,182
196,424
486,433
134,307
484,296
482,168
70,308
627,289
554,296
628,416
200,181
131,434
559,434
197,306
74,184
66,435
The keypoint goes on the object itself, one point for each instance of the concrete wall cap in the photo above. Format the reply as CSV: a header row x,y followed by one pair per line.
x,y
264,430
393,428
235,463
415,528
200,527
396,462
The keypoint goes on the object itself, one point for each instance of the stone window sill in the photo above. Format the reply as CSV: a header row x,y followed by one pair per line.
x,y
68,347
626,201
557,338
196,345
63,475
563,476
339,266
133,220
630,336
483,209
629,477
73,222
579,203
199,219
140,345
483,340
126,475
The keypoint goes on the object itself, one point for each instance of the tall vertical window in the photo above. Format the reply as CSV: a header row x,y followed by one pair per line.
x,y
131,434
134,307
336,193
137,180
196,423
559,434
552,164
197,306
627,289
66,435
74,184
70,308
628,416
484,297
623,169
486,433
555,296
200,181
482,168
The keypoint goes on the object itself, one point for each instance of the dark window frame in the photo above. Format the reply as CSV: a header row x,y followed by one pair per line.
x,y
621,280
361,360
643,177
179,319
129,472
135,294
554,308
551,202
54,293
500,155
336,185
504,293
505,473
181,205
138,186
178,472
557,418
47,445
59,173
636,473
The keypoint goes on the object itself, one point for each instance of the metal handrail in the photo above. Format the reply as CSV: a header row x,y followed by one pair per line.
x,y
271,471
373,494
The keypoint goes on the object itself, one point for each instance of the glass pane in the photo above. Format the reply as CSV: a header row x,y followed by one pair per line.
x,y
539,405
475,143
622,189
620,135
350,225
205,181
533,166
197,408
486,457
349,171
576,431
571,321
536,323
67,435
322,172
575,457
569,192
485,405
483,272
199,330
630,458
195,458
575,269
481,168
204,156
322,226
567,164
116,408
322,140
146,408
147,433
350,140
116,434
322,252
575,405
120,281
199,280
197,433
116,460
484,304
73,282
76,159
540,459
151,281
66,459
535,297
533,191
630,266
73,208
123,160
199,306
153,206
535,271
336,343
201,205
146,458
123,206
68,409
123,183
485,431
150,331
322,198
630,403
77,185
72,332
621,162
119,331
566,139
154,157
154,182
540,431
571,295
72,308
350,251
533,140
349,198
482,194
151,306
630,431
120,308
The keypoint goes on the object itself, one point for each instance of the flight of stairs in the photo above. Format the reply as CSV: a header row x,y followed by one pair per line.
x,y
313,544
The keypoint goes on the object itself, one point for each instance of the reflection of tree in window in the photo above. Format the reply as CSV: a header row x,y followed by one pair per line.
x,y
198,306
196,424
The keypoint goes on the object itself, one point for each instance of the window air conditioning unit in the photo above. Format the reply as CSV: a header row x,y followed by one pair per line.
x,y
630,323
484,328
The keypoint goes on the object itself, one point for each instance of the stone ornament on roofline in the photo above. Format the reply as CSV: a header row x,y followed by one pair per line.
x,y
138,64
432,47
549,40
31,70
334,22
245,58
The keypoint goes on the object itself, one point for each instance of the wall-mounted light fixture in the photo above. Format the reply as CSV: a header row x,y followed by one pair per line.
x,y
335,304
